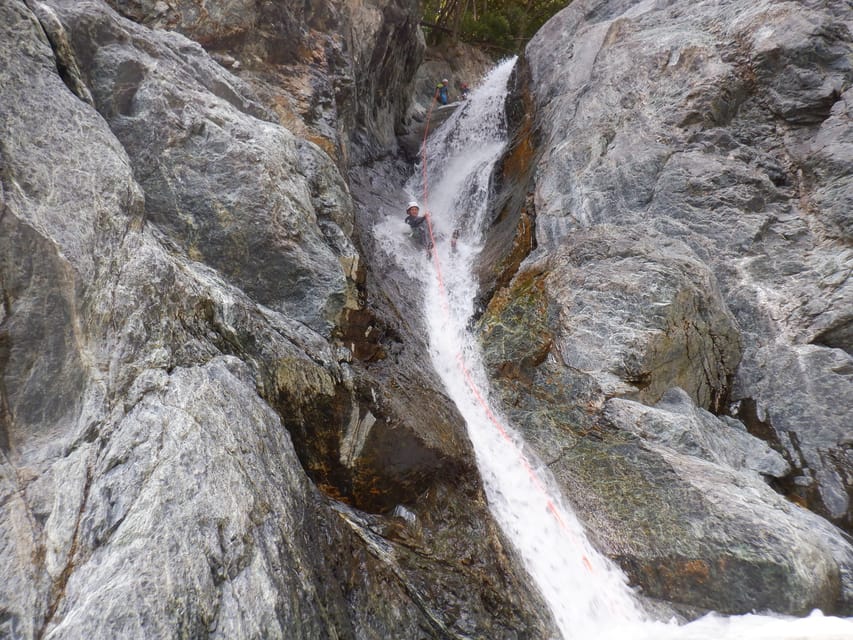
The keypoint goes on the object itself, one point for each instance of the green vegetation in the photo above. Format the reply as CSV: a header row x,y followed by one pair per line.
x,y
503,25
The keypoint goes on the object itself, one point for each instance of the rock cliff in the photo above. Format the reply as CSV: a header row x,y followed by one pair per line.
x,y
217,413
685,291
213,421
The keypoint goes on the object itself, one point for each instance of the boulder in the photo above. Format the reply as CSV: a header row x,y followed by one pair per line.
x,y
641,314
677,423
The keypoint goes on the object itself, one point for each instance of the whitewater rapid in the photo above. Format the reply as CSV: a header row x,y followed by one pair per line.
x,y
587,594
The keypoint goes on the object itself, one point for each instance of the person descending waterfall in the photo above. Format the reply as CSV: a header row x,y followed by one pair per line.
x,y
416,222
413,217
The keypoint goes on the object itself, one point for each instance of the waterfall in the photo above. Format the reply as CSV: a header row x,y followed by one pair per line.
x,y
587,594
521,494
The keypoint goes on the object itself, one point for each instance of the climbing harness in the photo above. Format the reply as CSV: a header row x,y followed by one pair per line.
x,y
472,385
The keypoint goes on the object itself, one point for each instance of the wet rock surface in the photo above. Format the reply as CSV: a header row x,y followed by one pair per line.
x,y
687,293
207,425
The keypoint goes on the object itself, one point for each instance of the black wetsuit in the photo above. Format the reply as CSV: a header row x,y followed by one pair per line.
x,y
415,221
419,230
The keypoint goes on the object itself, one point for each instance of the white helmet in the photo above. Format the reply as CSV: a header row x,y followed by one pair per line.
x,y
412,204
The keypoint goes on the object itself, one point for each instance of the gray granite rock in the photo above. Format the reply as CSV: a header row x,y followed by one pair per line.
x,y
235,192
217,417
641,313
689,196
337,73
725,128
641,477
188,446
677,423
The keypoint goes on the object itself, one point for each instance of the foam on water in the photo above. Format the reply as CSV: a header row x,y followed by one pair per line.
x,y
588,595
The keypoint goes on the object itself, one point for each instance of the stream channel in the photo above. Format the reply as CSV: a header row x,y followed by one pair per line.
x,y
587,593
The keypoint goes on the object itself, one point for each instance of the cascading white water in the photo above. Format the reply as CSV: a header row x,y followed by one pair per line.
x,y
587,594
551,542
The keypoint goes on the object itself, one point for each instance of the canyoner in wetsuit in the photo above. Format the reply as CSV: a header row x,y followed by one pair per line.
x,y
420,233
441,91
